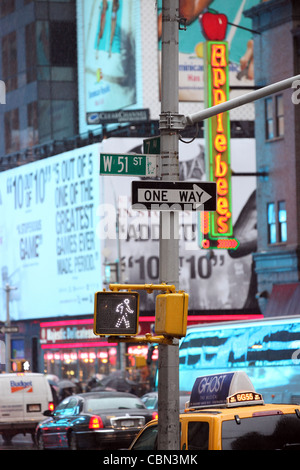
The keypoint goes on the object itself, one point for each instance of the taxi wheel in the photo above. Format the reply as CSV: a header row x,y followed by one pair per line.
x,y
73,442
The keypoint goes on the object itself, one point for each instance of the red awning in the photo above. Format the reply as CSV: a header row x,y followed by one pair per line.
x,y
284,300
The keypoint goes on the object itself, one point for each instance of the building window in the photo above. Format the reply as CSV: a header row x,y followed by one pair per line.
x,y
6,7
63,33
9,61
282,226
277,222
271,223
274,117
12,131
269,119
30,52
32,124
279,115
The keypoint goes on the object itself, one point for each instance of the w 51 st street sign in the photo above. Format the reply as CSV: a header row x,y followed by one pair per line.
x,y
128,165
161,195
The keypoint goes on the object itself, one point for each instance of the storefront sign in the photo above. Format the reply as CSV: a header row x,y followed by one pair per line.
x,y
66,331
218,225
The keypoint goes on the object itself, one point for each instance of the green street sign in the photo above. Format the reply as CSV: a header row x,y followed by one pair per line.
x,y
128,165
152,145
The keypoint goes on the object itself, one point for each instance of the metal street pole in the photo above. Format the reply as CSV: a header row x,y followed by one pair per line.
x,y
7,289
168,382
191,119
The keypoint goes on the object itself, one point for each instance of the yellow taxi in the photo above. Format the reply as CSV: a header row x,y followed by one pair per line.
x,y
225,413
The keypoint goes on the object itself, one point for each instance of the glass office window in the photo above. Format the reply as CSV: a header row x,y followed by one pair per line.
x,y
282,221
271,223
30,52
9,61
12,131
269,118
279,116
6,7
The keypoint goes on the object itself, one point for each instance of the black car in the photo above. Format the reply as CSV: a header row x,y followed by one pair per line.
x,y
101,420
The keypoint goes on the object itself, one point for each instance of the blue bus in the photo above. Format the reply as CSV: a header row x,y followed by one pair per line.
x,y
268,350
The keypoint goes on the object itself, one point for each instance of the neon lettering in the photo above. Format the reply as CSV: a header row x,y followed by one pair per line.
x,y
223,227
219,77
222,187
219,137
221,167
221,143
219,96
220,128
222,206
218,55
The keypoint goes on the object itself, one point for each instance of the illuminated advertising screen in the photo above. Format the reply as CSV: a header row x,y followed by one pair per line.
x,y
224,280
48,247
58,234
107,55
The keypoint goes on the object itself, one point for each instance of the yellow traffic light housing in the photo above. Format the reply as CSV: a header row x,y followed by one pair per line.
x,y
116,313
171,314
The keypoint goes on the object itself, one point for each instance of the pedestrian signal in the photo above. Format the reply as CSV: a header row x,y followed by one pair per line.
x,y
171,314
116,313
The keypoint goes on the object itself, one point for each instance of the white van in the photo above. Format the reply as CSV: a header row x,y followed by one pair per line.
x,y
23,399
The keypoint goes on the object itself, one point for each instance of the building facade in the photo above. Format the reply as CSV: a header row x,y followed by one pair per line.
x,y
39,68
276,55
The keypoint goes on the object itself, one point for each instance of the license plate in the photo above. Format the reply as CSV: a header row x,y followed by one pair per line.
x,y
33,408
127,423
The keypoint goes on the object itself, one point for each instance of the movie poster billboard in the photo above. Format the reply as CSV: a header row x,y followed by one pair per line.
x,y
107,55
218,279
49,252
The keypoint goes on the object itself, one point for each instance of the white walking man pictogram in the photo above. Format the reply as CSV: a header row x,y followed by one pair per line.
x,y
123,309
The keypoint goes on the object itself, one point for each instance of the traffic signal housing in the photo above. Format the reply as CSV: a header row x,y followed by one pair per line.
x,y
171,314
116,313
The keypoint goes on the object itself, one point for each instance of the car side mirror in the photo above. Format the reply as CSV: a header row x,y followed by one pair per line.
x,y
48,413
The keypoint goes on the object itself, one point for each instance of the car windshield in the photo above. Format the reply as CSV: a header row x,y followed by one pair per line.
x,y
150,402
94,405
262,433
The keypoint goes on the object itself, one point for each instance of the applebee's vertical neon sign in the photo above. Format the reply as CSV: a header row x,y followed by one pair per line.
x,y
216,225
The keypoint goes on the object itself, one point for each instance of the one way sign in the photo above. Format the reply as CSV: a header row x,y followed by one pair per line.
x,y
162,195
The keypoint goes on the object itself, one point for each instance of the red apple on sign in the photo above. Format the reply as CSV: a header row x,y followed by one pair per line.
x,y
214,26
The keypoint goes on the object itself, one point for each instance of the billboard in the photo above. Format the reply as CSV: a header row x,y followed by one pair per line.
x,y
191,44
108,55
48,247
119,54
61,224
215,280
